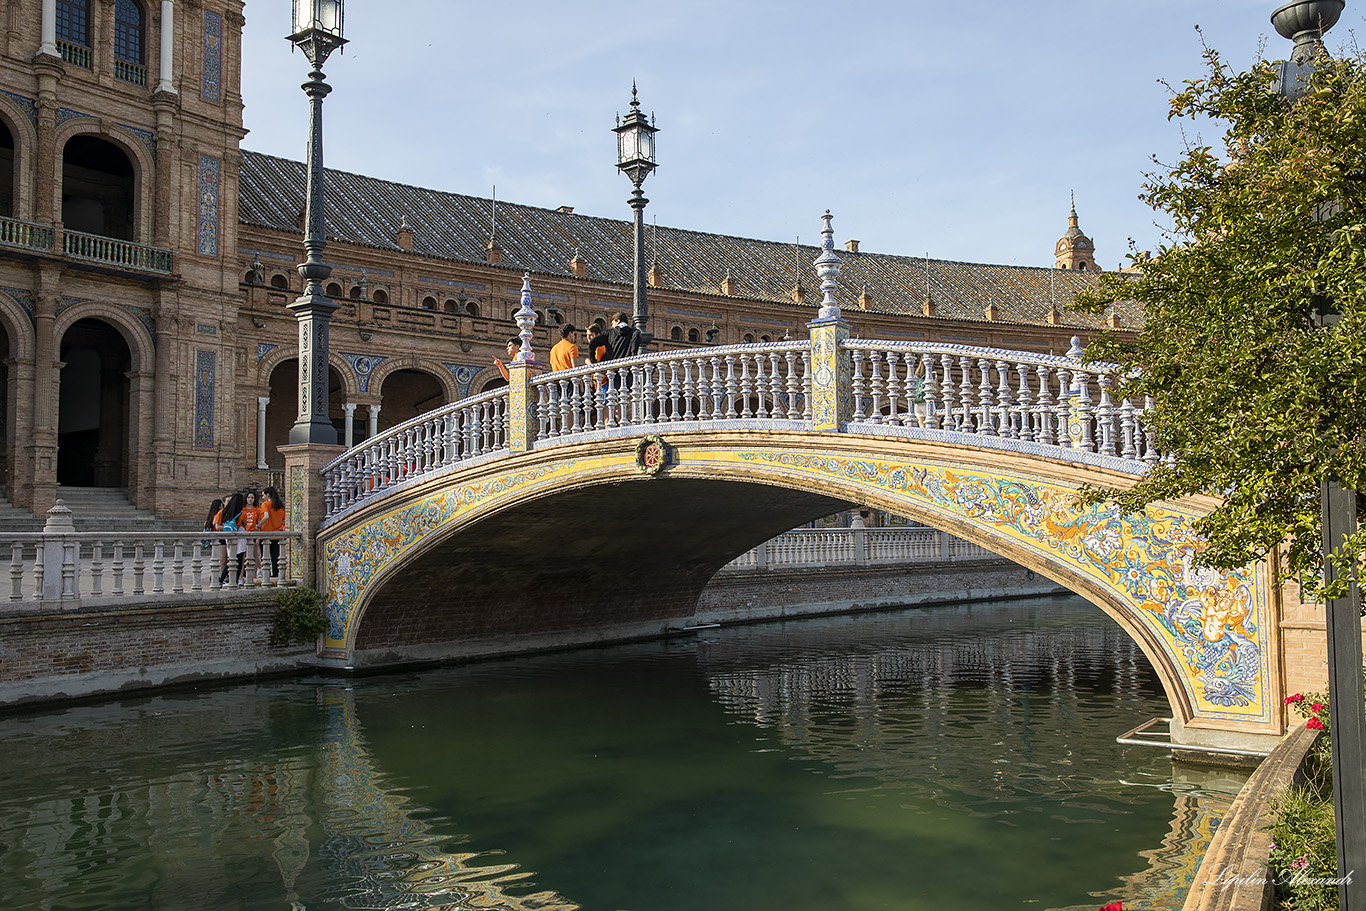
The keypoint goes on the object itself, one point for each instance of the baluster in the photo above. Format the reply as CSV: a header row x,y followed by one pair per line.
x,y
793,388
547,410
158,567
876,389
197,565
674,392
575,420
1085,409
1024,406
761,385
946,392
564,398
1126,427
504,425
140,567
1064,409
1005,400
746,386
118,568
473,433
1149,449
96,569
985,400
731,388
922,386
775,387
859,387
965,395
16,571
1105,417
689,389
1044,407
39,566
178,566
806,385
896,416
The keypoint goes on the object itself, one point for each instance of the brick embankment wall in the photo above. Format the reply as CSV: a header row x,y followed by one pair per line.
x,y
49,655
742,596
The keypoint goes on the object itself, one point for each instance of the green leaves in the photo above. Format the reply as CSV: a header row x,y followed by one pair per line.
x,y
1258,401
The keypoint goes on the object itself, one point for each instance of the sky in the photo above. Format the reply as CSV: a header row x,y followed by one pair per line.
x,y
953,130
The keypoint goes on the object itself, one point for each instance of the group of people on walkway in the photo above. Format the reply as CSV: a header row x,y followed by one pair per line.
x,y
246,510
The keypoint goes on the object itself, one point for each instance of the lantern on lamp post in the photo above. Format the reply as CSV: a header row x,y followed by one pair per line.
x,y
317,32
636,159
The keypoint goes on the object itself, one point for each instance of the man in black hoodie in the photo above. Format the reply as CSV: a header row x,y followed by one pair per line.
x,y
622,340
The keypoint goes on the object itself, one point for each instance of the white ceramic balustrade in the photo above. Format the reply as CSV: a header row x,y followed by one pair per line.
x,y
809,548
77,566
1055,406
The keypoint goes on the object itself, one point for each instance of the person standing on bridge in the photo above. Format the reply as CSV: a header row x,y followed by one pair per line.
x,y
621,341
566,351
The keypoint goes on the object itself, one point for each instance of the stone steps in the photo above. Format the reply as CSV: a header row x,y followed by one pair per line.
x,y
108,509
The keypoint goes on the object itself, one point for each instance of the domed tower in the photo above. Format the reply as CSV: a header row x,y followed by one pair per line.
x,y
1075,250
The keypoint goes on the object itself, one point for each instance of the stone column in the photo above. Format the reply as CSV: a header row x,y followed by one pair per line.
x,y
349,409
164,82
374,422
261,402
19,408
49,45
41,450
305,506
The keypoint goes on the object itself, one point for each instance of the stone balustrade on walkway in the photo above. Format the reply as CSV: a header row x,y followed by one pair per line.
x,y
818,548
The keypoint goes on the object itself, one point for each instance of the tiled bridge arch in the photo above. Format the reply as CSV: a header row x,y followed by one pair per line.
x,y
577,534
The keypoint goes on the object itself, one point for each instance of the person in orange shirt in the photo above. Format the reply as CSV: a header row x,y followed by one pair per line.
x,y
565,352
250,520
273,519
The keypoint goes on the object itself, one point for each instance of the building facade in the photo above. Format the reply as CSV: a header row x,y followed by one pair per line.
x,y
146,261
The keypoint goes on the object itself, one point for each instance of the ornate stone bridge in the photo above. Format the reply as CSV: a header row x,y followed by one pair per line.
x,y
599,501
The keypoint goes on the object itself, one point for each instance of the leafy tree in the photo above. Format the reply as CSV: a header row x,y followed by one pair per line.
x,y
1257,401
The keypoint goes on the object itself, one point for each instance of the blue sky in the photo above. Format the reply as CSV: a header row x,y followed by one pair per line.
x,y
957,136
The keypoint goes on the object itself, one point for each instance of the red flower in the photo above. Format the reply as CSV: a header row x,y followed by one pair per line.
x,y
1316,707
1289,700
1113,906
1314,724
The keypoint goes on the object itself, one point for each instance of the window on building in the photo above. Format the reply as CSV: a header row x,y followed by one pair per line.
x,y
429,303
472,308
333,290
73,22
749,338
692,335
128,42
355,292
676,334
279,281
381,296
765,339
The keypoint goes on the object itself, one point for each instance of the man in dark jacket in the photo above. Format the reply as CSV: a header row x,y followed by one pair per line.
x,y
622,340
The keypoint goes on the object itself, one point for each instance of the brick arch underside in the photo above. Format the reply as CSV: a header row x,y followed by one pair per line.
x,y
575,536
589,556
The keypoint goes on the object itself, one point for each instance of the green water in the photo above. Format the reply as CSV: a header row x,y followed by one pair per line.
x,y
947,758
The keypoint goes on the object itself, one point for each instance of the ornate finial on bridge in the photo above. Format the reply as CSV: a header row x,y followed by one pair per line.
x,y
525,318
828,268
1076,351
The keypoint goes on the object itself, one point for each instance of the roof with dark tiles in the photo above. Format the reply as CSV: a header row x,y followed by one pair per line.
x,y
367,211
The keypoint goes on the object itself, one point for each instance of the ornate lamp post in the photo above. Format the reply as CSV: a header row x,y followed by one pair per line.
x,y
317,32
1304,22
636,159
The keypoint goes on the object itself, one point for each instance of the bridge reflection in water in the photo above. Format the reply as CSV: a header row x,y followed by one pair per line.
x,y
946,758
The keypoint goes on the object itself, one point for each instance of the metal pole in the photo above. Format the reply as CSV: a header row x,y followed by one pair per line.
x,y
640,310
1346,706
313,309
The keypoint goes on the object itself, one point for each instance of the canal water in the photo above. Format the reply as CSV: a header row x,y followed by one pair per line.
x,y
941,758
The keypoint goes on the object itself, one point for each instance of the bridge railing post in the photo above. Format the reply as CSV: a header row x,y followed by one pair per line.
x,y
831,392
523,423
305,504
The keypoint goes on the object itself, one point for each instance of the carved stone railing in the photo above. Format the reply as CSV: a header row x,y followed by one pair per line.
x,y
437,441
121,253
15,233
811,548
72,567
1050,406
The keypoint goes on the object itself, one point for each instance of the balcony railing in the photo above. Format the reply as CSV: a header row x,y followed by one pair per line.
x,y
122,253
15,233
75,54
130,72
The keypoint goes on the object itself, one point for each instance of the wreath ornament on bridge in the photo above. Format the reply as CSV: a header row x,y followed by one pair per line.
x,y
653,454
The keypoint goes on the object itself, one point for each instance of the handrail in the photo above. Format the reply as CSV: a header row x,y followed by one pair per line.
x,y
112,251
26,234
957,393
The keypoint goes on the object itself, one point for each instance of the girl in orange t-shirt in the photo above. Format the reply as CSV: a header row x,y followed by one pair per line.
x,y
250,520
273,519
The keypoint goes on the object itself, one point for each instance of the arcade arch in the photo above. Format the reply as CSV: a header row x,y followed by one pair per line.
x,y
283,409
408,392
94,399
99,188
